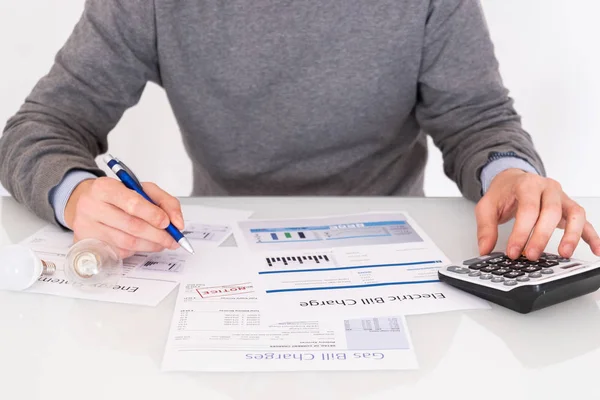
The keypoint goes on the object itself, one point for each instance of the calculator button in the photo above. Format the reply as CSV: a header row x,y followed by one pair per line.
x,y
497,279
523,278
536,274
514,274
561,259
547,271
478,265
550,256
488,269
474,274
510,282
501,271
479,259
458,270
507,263
485,277
531,269
518,265
548,264
496,260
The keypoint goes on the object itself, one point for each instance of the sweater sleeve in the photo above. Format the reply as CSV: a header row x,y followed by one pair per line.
x,y
98,74
463,104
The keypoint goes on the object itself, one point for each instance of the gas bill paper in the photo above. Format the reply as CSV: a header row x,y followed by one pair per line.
x,y
371,264
219,324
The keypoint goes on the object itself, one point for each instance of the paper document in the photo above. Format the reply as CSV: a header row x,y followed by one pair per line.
x,y
210,226
147,277
219,325
355,265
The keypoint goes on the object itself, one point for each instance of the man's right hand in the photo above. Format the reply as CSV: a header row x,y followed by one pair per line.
x,y
105,209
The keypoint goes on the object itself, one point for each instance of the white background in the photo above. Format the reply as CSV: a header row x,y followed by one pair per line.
x,y
548,51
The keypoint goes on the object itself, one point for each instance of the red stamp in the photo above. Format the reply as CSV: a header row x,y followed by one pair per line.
x,y
226,290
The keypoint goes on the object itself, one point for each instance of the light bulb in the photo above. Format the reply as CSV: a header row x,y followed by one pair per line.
x,y
93,262
20,267
89,263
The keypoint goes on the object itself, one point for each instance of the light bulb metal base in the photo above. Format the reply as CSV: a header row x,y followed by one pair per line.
x,y
49,268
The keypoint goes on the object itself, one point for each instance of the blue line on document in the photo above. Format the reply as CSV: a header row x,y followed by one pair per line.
x,y
285,271
351,225
358,237
351,286
283,241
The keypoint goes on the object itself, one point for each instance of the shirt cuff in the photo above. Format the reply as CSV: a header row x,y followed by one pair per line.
x,y
498,165
62,192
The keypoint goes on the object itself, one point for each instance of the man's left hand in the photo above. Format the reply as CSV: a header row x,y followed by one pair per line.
x,y
539,206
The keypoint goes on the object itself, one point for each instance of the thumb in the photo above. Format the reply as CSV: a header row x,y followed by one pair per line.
x,y
168,203
486,214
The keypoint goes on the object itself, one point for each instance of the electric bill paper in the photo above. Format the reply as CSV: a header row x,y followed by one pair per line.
x,y
147,277
371,264
219,325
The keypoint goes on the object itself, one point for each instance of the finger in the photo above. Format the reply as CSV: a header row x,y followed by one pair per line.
x,y
575,221
486,214
122,253
550,215
117,238
590,236
126,241
164,200
528,211
113,192
114,217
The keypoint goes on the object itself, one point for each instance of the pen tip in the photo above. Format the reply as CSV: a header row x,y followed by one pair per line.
x,y
186,245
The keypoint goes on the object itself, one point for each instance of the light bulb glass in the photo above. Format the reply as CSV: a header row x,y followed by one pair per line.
x,y
19,267
92,262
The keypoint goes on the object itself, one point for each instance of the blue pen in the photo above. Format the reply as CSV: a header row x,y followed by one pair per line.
x,y
130,180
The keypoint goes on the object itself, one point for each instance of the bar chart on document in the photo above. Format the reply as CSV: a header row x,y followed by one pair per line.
x,y
348,233
204,232
361,250
172,265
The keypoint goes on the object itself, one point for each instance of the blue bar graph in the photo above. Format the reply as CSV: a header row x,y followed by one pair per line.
x,y
274,236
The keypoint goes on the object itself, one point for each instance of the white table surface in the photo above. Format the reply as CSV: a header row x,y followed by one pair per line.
x,y
60,348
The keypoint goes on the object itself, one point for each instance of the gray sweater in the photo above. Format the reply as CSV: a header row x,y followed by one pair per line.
x,y
275,97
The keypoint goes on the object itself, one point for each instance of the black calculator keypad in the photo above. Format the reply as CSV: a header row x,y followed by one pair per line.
x,y
514,274
547,264
479,265
500,267
501,271
507,263
518,265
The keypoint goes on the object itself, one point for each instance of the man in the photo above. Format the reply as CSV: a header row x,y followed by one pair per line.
x,y
313,97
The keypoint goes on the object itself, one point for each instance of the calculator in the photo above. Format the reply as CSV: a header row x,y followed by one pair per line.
x,y
523,285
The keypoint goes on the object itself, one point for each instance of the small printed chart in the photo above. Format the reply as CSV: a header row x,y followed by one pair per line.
x,y
300,260
207,233
166,263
